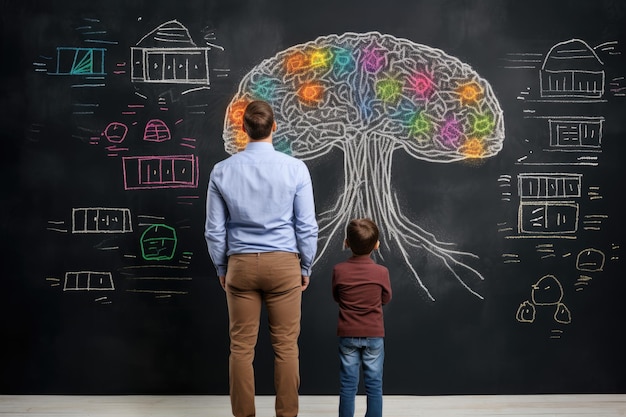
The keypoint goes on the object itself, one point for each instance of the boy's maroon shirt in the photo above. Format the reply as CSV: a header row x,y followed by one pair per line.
x,y
361,287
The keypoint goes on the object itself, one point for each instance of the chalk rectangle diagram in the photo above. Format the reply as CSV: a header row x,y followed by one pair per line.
x,y
544,206
170,65
88,281
576,132
588,84
172,171
548,217
101,220
549,186
80,61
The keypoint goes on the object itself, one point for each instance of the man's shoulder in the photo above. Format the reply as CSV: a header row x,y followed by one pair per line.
x,y
227,159
287,158
234,159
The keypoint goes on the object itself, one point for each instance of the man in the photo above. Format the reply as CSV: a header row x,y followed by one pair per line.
x,y
262,238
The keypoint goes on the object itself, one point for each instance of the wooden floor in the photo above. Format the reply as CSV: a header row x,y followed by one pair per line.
x,y
314,406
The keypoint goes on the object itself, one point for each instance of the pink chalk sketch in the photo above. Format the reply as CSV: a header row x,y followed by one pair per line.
x,y
156,131
170,171
115,132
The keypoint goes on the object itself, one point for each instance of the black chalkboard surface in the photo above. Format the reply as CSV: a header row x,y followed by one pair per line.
x,y
485,138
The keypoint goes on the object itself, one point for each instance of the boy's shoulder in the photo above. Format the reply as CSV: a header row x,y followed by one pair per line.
x,y
357,261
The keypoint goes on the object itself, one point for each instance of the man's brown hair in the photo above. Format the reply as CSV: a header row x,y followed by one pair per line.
x,y
258,120
362,236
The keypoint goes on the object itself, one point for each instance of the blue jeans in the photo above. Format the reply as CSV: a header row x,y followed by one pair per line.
x,y
356,353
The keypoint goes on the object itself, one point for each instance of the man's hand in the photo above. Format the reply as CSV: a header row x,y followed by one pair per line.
x,y
223,282
305,282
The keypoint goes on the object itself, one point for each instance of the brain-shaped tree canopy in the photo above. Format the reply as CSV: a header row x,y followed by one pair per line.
x,y
331,90
368,95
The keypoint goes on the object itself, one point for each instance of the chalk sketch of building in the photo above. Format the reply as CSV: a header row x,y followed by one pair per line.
x,y
80,61
171,171
547,204
101,220
572,69
88,281
169,55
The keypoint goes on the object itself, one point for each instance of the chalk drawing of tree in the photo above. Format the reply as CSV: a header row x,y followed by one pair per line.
x,y
369,94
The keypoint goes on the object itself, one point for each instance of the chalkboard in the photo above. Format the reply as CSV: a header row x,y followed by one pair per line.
x,y
485,137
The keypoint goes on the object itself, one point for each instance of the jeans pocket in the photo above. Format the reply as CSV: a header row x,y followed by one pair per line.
x,y
375,346
347,346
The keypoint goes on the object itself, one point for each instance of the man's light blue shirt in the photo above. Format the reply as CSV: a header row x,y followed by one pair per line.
x,y
260,200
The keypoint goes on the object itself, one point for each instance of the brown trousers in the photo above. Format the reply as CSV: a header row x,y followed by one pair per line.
x,y
273,278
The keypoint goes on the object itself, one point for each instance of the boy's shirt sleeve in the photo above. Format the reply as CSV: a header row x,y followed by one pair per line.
x,y
335,289
387,293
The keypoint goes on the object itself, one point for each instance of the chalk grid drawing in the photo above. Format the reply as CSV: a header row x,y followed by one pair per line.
x,y
544,206
172,171
101,220
368,95
88,281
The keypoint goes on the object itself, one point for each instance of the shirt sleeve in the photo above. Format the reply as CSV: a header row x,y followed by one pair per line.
x,y
215,227
305,223
334,287
386,295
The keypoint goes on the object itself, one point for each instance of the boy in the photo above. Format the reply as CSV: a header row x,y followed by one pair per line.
x,y
361,288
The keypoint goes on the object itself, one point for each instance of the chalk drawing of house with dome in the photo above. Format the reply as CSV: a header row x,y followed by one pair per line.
x,y
169,55
572,69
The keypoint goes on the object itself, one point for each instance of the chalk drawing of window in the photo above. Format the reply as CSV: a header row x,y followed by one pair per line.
x,y
543,208
576,132
158,243
170,65
80,61
554,217
146,172
169,55
572,69
88,281
101,220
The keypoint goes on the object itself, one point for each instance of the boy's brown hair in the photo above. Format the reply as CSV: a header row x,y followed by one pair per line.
x,y
258,119
362,236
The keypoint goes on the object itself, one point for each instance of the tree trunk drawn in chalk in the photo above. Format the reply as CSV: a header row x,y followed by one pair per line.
x,y
368,95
